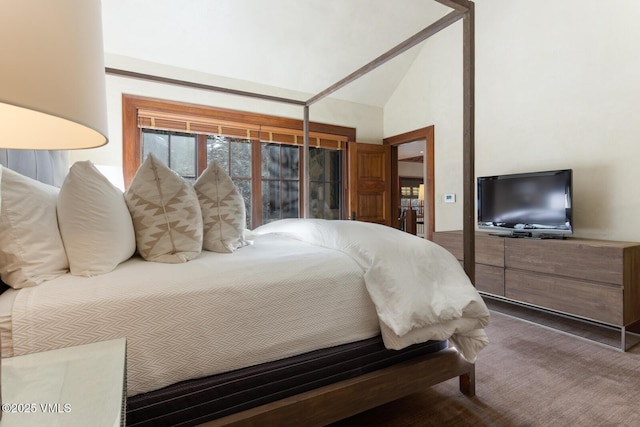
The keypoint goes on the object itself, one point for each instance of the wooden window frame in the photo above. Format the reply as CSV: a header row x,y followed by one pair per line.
x,y
131,141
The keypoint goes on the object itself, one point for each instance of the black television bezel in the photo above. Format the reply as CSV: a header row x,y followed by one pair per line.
x,y
510,231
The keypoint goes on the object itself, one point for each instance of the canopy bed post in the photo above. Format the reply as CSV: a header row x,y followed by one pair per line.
x,y
468,139
468,225
305,165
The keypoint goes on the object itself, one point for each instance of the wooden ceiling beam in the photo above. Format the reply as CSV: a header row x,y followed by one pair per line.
x,y
194,85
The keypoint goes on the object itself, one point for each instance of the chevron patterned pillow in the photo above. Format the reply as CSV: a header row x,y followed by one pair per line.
x,y
223,210
166,214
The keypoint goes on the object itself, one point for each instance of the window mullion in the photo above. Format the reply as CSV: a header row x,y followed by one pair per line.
x,y
170,137
201,153
281,181
256,183
301,195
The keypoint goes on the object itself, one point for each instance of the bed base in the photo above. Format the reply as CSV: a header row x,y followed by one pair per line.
x,y
343,399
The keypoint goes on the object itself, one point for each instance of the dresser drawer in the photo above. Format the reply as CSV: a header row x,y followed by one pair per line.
x,y
571,258
586,299
489,249
490,279
451,241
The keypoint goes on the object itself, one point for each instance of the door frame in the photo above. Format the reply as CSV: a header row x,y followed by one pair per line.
x,y
428,134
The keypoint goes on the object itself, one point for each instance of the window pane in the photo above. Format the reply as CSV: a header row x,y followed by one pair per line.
x,y
332,200
333,168
324,200
325,192
316,164
290,200
240,158
234,156
175,149
182,155
156,143
270,201
315,203
218,150
270,160
244,187
290,161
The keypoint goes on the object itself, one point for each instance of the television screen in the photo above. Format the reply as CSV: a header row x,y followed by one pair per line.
x,y
527,203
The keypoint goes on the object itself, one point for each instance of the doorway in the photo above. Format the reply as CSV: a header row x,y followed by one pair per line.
x,y
411,152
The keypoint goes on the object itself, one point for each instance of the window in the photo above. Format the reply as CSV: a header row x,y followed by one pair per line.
x,y
261,154
279,165
176,150
234,155
325,183
280,181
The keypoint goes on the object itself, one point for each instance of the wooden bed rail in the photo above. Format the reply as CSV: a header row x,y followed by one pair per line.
x,y
343,399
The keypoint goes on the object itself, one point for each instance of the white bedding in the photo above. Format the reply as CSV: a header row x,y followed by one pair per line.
x,y
419,289
301,286
273,299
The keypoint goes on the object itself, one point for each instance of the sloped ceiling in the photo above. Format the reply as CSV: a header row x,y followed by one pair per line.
x,y
300,45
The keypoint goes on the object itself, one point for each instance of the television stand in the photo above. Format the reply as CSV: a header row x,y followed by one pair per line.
x,y
590,279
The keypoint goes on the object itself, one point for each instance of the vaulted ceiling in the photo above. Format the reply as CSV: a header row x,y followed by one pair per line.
x,y
300,45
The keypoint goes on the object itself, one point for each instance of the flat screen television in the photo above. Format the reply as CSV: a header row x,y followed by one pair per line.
x,y
535,204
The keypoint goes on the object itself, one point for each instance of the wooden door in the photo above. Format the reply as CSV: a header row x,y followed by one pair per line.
x,y
370,182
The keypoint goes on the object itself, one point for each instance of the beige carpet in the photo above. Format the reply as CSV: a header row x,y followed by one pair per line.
x,y
528,376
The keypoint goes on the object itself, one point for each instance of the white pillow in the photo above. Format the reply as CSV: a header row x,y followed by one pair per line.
x,y
94,221
31,249
223,210
166,214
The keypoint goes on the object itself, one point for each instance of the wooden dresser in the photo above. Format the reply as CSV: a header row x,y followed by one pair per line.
x,y
597,280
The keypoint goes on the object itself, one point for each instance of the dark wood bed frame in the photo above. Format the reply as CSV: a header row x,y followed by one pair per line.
x,y
342,399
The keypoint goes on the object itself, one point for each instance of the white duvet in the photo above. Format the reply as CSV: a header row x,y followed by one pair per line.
x,y
327,283
419,289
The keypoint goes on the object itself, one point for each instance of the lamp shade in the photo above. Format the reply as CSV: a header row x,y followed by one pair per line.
x,y
421,192
52,76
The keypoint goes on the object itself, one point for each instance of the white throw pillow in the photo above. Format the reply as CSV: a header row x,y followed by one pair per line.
x,y
94,221
166,214
31,250
223,210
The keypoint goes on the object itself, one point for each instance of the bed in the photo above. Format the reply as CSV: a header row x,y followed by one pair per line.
x,y
325,306
282,342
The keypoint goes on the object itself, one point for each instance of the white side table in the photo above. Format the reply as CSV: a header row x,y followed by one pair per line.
x,y
75,386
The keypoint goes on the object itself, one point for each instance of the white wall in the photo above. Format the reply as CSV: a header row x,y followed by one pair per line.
x,y
556,84
366,119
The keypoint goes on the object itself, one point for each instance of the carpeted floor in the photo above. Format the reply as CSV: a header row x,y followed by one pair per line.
x,y
527,376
